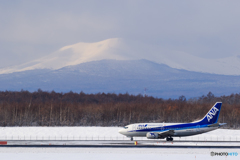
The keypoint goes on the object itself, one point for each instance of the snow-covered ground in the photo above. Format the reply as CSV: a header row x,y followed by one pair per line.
x,y
106,153
98,133
112,153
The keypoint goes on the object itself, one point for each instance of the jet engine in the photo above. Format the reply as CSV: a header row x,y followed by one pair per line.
x,y
152,135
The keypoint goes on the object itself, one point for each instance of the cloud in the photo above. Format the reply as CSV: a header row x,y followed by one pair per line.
x,y
207,29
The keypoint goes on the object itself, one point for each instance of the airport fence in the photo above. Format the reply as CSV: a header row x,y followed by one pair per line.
x,y
117,138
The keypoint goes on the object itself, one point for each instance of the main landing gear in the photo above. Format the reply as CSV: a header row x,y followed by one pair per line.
x,y
169,139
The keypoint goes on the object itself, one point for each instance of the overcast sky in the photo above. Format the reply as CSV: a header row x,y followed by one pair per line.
x,y
31,29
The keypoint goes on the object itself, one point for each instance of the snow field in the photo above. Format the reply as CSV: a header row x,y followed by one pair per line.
x,y
105,153
111,153
99,133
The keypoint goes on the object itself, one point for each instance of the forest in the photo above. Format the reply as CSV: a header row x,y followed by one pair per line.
x,y
43,108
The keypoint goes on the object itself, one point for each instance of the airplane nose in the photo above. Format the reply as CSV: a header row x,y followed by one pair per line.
x,y
121,131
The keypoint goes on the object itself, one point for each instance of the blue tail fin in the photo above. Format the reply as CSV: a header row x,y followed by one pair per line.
x,y
212,116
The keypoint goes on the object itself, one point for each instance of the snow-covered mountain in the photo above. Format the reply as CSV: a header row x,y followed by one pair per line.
x,y
119,49
121,76
76,54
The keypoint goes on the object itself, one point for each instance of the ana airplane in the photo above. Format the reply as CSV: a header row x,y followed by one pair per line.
x,y
168,130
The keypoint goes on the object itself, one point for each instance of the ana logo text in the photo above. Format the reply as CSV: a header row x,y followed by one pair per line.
x,y
142,126
212,113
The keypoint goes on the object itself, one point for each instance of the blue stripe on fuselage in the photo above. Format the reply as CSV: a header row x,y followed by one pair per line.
x,y
172,127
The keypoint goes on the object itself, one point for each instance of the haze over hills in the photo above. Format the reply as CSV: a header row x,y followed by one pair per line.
x,y
119,49
121,76
119,66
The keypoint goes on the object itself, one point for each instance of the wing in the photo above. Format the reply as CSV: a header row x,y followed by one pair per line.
x,y
166,133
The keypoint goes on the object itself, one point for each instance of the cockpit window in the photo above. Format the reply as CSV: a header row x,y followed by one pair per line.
x,y
125,127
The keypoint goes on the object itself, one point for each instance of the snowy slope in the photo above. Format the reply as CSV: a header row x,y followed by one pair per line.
x,y
120,49
76,54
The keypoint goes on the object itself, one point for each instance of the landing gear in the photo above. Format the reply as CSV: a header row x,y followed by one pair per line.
x,y
169,139
131,138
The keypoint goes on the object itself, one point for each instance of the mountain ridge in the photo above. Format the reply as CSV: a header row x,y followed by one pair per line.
x,y
121,76
120,49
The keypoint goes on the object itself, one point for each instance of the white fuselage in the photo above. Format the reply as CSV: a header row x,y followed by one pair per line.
x,y
133,130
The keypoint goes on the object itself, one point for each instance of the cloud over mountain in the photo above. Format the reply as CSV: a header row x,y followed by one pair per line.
x,y
120,49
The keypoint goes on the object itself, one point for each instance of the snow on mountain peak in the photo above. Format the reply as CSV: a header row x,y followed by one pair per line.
x,y
120,49
75,54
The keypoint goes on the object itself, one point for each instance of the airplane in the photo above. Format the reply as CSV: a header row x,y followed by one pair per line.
x,y
168,130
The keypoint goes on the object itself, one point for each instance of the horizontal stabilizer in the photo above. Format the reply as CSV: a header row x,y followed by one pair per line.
x,y
222,124
216,124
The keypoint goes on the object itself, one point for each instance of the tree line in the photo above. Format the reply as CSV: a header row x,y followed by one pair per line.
x,y
42,108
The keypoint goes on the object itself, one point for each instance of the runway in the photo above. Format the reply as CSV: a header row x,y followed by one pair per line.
x,y
119,144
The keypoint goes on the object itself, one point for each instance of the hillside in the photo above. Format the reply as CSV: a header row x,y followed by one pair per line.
x,y
114,76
